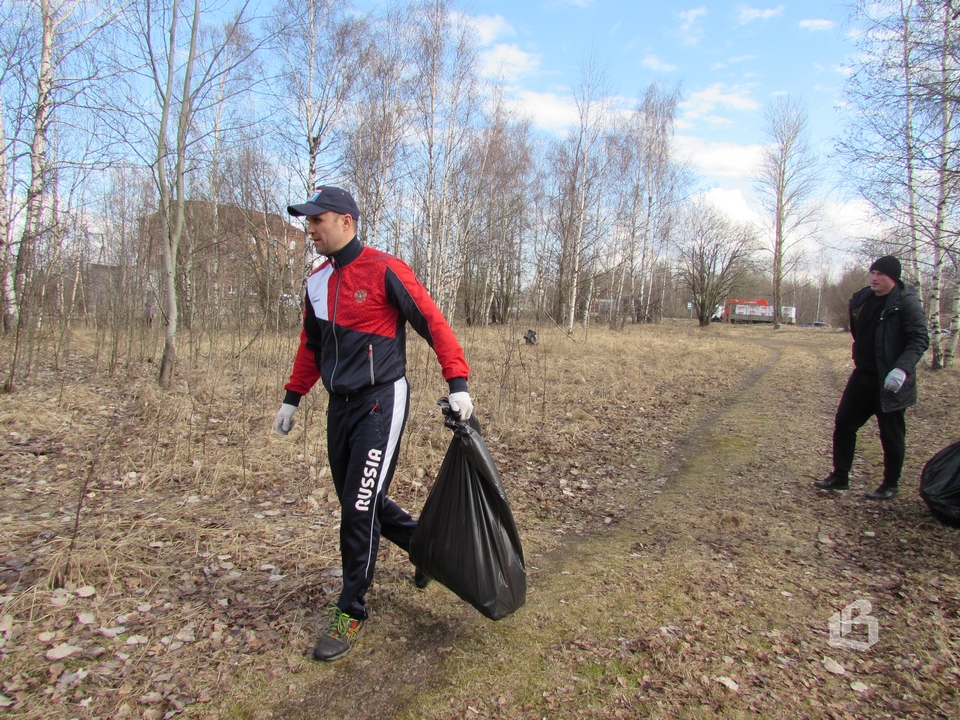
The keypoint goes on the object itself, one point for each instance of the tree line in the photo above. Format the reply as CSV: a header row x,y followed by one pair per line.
x,y
149,149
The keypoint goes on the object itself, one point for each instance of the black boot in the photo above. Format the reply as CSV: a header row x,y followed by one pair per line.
x,y
420,579
834,481
886,491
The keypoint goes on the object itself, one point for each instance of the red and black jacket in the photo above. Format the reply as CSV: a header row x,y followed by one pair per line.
x,y
354,326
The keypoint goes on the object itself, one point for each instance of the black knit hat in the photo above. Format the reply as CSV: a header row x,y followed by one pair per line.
x,y
888,265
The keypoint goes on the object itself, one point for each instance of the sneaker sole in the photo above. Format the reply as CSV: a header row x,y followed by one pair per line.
x,y
331,658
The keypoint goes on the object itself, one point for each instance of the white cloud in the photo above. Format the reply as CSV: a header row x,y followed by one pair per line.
x,y
547,110
732,61
508,62
844,222
491,28
689,17
702,102
816,25
719,159
733,204
656,64
691,31
717,120
748,14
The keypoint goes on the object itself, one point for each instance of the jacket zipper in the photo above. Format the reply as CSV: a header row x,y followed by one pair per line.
x,y
336,342
370,358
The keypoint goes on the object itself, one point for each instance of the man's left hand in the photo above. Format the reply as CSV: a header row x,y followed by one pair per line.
x,y
461,403
895,379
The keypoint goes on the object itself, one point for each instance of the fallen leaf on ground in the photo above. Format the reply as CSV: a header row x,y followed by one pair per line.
x,y
831,665
61,651
728,682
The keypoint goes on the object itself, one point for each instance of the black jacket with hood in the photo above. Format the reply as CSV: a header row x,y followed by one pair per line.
x,y
901,338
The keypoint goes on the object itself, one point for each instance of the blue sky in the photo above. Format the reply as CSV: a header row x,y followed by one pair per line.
x,y
730,58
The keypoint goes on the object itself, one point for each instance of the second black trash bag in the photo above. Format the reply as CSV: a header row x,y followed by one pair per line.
x,y
940,485
466,538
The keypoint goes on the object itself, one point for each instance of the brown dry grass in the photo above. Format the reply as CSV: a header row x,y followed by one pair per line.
x,y
659,478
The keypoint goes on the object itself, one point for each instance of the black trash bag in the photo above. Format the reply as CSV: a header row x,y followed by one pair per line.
x,y
466,538
940,485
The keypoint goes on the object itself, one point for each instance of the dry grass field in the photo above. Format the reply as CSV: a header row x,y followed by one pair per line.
x,y
165,554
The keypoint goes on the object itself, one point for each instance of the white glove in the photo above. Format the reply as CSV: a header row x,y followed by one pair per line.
x,y
895,380
461,403
285,422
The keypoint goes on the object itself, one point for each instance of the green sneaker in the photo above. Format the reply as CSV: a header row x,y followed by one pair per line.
x,y
339,638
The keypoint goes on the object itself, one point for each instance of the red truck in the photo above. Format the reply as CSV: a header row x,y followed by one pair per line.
x,y
754,311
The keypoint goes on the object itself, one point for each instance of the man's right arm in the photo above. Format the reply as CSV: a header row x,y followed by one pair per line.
x,y
305,373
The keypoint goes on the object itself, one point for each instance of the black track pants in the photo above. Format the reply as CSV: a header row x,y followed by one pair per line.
x,y
363,440
860,400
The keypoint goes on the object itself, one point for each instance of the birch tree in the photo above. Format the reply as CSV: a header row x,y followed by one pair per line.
x,y
942,84
15,39
8,294
902,145
494,239
880,143
444,107
50,71
649,181
375,130
786,181
321,51
577,168
181,65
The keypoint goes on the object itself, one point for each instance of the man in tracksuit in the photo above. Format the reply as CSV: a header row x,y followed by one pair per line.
x,y
889,337
356,309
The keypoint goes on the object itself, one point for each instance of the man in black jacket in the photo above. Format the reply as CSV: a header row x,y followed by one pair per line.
x,y
889,336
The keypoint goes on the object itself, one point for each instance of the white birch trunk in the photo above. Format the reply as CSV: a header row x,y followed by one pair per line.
x,y
950,343
7,290
38,151
172,203
914,252
943,191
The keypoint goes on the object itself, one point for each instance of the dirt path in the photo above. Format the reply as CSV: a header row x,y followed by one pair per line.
x,y
711,597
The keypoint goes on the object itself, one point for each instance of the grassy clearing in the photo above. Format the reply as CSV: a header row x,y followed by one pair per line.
x,y
660,479
711,596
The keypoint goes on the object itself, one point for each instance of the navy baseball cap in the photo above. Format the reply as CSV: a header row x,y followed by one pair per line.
x,y
327,199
